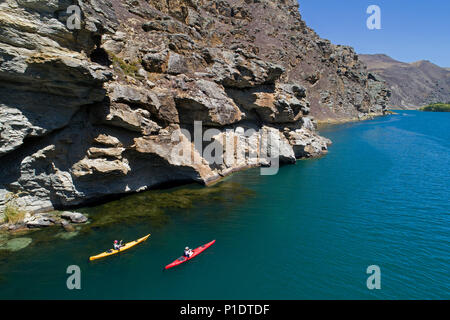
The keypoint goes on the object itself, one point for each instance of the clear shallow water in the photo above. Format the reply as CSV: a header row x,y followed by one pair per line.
x,y
381,196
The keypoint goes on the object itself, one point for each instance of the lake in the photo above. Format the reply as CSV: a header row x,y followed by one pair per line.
x,y
380,197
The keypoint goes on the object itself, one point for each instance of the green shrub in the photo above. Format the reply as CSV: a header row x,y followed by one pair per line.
x,y
437,107
130,69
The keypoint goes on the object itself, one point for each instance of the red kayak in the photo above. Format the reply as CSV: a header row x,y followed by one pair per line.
x,y
196,252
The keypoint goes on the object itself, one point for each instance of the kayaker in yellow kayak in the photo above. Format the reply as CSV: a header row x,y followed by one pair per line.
x,y
188,252
117,245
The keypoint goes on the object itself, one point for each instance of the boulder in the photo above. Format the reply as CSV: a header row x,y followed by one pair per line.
x,y
306,144
107,140
155,62
206,101
177,64
123,116
105,152
99,167
238,70
39,221
74,217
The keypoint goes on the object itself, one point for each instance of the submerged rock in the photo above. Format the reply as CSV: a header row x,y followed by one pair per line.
x,y
66,235
16,244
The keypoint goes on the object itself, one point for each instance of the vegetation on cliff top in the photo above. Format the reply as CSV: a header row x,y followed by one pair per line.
x,y
437,107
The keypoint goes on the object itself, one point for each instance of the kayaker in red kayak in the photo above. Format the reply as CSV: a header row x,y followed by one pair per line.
x,y
188,252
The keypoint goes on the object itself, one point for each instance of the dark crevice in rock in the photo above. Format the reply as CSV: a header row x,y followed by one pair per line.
x,y
100,56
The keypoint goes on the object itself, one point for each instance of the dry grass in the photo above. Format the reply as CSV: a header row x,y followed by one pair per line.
x,y
13,214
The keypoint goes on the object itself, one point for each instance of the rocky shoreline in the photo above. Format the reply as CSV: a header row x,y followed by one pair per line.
x,y
369,116
65,219
13,235
93,112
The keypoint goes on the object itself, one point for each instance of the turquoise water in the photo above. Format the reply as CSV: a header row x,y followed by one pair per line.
x,y
380,197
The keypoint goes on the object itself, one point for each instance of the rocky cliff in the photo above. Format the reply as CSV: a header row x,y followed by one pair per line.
x,y
109,108
412,84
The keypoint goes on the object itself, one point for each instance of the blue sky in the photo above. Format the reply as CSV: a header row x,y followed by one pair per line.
x,y
410,30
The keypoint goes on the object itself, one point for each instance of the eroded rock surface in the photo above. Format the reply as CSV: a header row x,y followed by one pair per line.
x,y
113,107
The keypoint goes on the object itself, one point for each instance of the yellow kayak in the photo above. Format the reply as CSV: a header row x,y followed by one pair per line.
x,y
125,247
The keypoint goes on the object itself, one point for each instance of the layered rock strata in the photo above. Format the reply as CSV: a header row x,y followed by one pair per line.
x,y
115,106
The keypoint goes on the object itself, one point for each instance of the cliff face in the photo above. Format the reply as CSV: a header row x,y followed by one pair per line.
x,y
412,84
93,112
338,85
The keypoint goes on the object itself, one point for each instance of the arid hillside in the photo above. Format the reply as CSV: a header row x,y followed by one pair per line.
x,y
412,84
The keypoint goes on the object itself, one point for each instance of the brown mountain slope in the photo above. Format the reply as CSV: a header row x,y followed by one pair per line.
x,y
412,84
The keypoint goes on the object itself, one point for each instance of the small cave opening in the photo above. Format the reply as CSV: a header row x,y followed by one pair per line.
x,y
100,56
